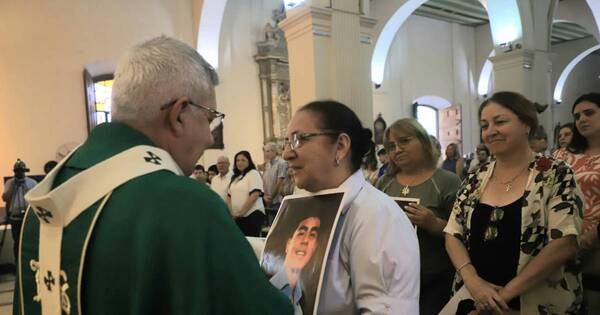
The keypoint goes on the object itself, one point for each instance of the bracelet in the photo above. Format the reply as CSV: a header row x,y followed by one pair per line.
x,y
462,266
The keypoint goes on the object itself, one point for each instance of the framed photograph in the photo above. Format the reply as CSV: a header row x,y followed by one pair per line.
x,y
403,202
297,246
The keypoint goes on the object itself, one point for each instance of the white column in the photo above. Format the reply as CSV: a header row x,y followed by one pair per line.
x,y
329,56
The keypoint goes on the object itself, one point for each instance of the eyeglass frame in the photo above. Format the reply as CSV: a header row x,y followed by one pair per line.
x,y
215,114
389,144
305,136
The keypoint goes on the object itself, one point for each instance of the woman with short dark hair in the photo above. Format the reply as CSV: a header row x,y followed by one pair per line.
x,y
373,264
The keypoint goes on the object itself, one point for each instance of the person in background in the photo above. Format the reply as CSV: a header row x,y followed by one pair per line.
x,y
274,173
154,240
369,168
49,166
383,158
512,235
243,195
539,141
482,156
453,162
565,135
583,155
14,196
413,174
373,264
212,172
199,174
220,183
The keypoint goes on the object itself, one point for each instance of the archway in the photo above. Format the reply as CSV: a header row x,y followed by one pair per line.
x,y
558,90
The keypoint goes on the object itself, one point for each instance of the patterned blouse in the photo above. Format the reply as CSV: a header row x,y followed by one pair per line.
x,y
587,172
552,208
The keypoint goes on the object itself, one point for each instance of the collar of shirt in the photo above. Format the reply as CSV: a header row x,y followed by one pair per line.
x,y
280,281
353,185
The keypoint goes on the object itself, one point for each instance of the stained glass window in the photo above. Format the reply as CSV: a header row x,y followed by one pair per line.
x,y
102,92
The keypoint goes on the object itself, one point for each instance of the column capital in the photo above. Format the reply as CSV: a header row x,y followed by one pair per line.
x,y
318,21
517,58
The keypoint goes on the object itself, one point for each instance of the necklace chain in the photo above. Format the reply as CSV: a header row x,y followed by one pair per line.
x,y
508,184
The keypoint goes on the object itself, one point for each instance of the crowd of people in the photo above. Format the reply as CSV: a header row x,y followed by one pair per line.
x,y
501,233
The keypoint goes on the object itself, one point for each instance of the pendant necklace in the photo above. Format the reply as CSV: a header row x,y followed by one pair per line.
x,y
508,184
405,190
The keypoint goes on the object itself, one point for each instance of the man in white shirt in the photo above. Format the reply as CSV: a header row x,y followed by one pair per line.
x,y
220,183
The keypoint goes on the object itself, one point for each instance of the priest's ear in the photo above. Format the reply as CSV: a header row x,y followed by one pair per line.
x,y
174,118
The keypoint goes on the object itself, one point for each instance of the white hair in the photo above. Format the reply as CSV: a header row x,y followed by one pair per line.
x,y
271,146
223,158
155,73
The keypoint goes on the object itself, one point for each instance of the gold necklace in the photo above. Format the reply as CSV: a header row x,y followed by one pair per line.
x,y
508,184
405,190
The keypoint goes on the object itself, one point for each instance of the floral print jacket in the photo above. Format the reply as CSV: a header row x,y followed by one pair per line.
x,y
552,208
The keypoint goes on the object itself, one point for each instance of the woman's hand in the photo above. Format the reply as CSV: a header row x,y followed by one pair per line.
x,y
420,216
486,295
589,238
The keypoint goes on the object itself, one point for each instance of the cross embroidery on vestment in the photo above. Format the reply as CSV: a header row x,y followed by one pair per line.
x,y
43,214
152,158
49,280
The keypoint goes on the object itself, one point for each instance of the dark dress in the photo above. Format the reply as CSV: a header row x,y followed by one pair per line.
x,y
496,260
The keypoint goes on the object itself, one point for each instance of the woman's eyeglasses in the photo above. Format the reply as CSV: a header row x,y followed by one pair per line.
x,y
392,146
300,137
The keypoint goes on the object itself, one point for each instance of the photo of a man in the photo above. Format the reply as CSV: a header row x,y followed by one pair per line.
x,y
300,249
295,250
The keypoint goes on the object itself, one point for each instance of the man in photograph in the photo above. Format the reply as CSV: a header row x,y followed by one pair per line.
x,y
299,251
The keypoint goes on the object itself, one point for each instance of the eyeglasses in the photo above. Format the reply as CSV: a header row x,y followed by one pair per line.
x,y
215,118
392,146
491,232
299,137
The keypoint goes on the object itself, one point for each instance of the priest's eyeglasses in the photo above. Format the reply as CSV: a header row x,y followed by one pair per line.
x,y
300,137
215,118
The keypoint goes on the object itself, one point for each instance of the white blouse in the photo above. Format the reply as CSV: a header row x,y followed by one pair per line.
x,y
373,264
240,190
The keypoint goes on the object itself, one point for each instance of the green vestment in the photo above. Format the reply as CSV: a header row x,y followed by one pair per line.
x,y
163,244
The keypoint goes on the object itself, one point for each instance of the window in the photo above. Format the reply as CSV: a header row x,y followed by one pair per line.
x,y
98,92
427,116
103,91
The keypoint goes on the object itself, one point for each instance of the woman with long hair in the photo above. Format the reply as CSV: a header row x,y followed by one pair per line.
x,y
413,174
513,232
373,264
454,161
564,136
243,197
583,155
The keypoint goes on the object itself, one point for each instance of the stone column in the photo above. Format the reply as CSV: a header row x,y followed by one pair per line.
x,y
329,50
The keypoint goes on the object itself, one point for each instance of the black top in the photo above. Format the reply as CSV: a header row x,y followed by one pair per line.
x,y
496,260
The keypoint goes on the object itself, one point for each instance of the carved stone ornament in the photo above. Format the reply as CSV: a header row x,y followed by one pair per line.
x,y
272,59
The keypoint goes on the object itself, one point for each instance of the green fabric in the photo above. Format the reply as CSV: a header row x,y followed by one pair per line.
x,y
163,244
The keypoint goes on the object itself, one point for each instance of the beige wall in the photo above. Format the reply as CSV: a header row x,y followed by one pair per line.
x,y
238,93
44,46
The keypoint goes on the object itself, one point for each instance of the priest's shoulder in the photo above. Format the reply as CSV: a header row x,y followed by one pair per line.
x,y
175,193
